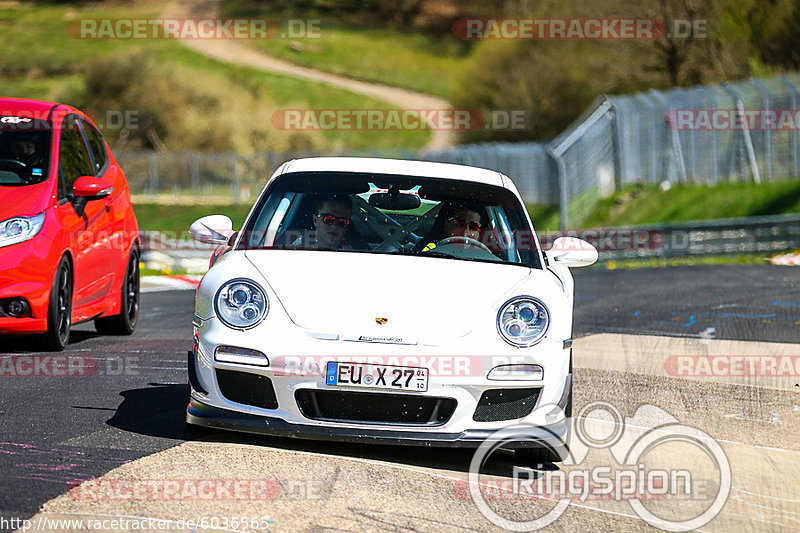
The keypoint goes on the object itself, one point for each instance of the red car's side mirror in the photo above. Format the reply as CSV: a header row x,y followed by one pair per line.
x,y
91,188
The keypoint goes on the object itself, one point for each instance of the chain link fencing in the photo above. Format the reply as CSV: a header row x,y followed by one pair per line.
x,y
744,131
734,132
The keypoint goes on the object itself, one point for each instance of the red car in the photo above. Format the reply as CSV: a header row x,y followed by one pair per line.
x,y
69,240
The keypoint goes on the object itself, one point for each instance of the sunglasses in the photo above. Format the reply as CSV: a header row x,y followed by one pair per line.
x,y
462,223
329,220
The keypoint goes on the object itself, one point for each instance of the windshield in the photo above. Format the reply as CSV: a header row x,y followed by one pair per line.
x,y
24,150
389,214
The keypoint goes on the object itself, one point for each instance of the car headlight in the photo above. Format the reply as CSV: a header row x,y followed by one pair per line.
x,y
19,229
523,321
241,304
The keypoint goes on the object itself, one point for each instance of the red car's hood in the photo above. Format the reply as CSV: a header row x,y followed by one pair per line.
x,y
26,200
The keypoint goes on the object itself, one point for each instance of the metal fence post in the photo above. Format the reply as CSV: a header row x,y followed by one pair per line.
x,y
714,155
793,91
767,131
692,140
234,179
562,189
194,172
616,145
748,141
676,140
645,103
153,173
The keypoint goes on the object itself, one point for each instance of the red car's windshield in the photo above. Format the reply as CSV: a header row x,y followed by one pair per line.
x,y
24,150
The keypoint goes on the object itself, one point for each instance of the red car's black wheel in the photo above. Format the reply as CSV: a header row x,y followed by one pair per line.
x,y
59,313
125,322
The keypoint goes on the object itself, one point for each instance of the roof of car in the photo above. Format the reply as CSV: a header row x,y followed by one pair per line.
x,y
400,167
26,107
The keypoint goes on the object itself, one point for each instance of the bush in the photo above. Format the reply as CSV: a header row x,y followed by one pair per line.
x,y
177,108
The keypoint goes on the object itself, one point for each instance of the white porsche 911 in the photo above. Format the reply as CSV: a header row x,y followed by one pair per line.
x,y
385,301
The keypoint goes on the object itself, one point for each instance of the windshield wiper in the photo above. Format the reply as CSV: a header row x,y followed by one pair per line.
x,y
430,253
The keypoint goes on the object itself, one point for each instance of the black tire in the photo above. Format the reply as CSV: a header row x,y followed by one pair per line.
x,y
537,457
59,312
125,322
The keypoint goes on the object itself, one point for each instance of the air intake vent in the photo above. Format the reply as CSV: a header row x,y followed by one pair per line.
x,y
374,408
247,389
505,404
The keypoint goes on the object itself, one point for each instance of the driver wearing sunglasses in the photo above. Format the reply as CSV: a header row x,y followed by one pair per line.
x,y
331,221
460,222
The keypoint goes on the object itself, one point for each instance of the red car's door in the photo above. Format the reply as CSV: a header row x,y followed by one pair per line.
x,y
114,220
88,227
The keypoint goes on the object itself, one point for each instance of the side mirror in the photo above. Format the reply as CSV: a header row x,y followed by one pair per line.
x,y
91,188
213,229
88,188
571,252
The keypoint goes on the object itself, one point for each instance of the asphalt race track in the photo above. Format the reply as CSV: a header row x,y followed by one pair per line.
x,y
122,416
737,302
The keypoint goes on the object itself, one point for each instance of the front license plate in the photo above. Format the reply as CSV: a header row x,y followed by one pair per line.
x,y
376,376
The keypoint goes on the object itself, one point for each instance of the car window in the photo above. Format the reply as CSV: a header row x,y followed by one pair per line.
x,y
390,214
24,150
97,145
73,158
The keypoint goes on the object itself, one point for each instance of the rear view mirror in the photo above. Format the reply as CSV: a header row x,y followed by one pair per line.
x,y
394,202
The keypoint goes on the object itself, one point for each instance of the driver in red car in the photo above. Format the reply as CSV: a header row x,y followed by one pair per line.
x,y
24,148
454,221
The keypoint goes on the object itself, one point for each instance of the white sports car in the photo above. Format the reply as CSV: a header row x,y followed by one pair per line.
x,y
384,301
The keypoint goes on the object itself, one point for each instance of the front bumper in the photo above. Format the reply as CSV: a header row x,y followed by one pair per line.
x,y
27,272
200,414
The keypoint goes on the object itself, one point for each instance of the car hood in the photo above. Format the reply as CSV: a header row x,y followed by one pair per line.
x,y
26,200
349,293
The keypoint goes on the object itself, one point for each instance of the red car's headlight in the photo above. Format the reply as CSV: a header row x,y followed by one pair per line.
x,y
19,229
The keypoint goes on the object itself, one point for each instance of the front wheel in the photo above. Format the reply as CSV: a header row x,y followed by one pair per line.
x,y
59,312
536,457
125,322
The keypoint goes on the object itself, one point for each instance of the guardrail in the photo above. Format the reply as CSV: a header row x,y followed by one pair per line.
x,y
767,235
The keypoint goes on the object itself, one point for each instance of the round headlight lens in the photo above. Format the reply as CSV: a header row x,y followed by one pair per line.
x,y
241,304
523,321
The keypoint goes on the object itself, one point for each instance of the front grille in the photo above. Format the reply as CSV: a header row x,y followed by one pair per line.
x,y
374,407
505,404
247,388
